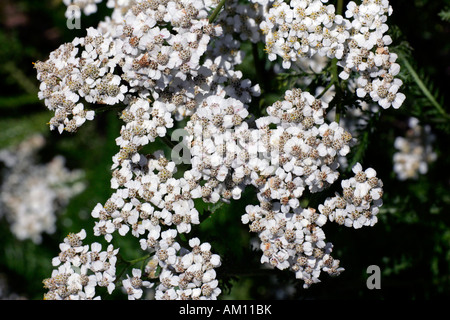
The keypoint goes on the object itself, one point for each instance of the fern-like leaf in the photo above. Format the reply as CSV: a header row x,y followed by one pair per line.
x,y
445,14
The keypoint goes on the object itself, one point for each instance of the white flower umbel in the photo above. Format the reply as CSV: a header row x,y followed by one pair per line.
x,y
81,269
191,275
47,189
167,66
298,30
359,203
302,153
415,151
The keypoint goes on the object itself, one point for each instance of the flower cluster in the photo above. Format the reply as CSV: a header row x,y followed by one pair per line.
x,y
304,28
47,189
155,207
167,65
295,238
359,203
415,151
292,240
81,268
305,153
301,152
186,274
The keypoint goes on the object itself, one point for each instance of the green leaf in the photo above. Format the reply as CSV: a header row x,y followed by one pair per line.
x,y
445,14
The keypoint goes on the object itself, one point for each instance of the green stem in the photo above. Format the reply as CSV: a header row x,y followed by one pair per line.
x,y
294,75
134,261
259,67
337,117
423,87
129,264
335,73
105,108
168,142
337,85
325,90
340,7
216,11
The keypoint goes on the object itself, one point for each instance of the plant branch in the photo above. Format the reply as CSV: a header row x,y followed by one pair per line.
x,y
134,261
337,84
129,264
216,11
259,66
340,7
335,80
325,90
423,87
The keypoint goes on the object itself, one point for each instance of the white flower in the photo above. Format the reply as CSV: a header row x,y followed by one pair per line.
x,y
133,285
105,228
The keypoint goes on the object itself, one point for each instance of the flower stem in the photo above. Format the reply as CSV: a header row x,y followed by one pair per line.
x,y
325,90
424,88
337,85
340,7
132,262
335,73
129,264
216,11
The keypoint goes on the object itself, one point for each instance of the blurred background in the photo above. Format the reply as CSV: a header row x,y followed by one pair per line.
x,y
51,182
